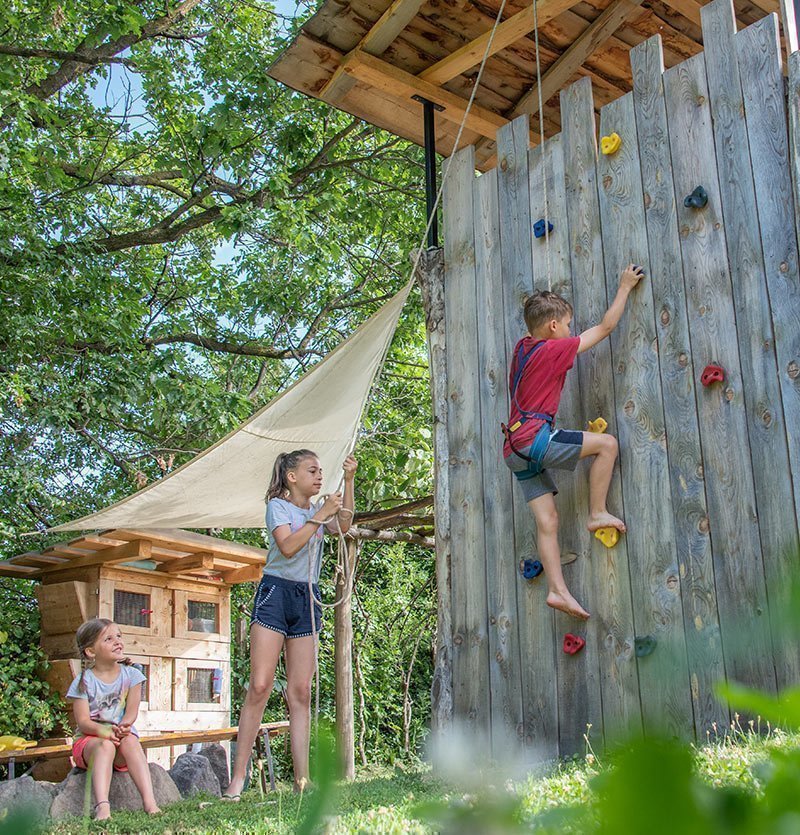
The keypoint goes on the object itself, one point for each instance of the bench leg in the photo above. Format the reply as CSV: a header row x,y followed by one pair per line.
x,y
270,765
11,769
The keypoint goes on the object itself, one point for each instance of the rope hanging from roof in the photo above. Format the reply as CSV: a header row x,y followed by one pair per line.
x,y
541,144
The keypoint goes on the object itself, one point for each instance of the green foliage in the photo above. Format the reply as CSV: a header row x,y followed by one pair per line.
x,y
27,706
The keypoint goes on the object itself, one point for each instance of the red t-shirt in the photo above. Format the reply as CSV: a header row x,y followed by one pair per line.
x,y
540,386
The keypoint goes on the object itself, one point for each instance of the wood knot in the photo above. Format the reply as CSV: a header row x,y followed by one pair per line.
x,y
458,640
702,310
784,267
665,316
701,100
685,231
683,360
793,370
703,525
504,164
647,200
766,418
607,181
699,472
629,408
717,225
729,394
672,582
499,657
621,367
492,620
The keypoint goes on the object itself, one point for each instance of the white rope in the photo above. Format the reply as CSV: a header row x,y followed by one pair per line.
x,y
541,144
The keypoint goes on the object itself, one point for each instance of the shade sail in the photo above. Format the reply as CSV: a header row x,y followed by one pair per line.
x,y
224,486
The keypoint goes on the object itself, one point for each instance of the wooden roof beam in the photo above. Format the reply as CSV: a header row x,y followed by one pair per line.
x,y
192,562
393,81
388,26
690,9
508,32
574,58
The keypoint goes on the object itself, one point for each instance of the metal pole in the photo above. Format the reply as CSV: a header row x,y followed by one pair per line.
x,y
428,108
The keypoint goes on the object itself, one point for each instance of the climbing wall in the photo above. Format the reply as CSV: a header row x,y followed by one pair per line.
x,y
708,478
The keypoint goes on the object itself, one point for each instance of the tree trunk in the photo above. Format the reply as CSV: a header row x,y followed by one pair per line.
x,y
430,276
343,666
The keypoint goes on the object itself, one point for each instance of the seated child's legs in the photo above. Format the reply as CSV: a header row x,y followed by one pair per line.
x,y
604,448
558,596
131,757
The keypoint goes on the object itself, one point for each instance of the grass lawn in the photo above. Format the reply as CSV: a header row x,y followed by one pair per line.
x,y
390,801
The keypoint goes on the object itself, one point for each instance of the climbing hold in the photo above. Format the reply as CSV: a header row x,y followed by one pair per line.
x,y
697,199
530,569
598,425
712,374
573,644
538,228
608,536
610,144
644,646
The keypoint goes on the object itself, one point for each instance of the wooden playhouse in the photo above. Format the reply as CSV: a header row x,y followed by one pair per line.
x,y
169,591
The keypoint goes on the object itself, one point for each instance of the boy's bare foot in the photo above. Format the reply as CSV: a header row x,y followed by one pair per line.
x,y
153,810
102,810
605,520
565,602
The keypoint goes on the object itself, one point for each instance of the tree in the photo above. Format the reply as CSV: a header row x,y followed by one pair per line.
x,y
179,238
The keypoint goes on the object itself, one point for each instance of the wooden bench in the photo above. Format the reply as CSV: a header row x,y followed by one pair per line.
x,y
61,749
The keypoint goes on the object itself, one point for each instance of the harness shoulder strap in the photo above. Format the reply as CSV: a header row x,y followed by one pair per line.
x,y
522,361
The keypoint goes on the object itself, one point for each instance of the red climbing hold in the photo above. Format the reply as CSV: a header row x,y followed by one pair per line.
x,y
573,644
712,374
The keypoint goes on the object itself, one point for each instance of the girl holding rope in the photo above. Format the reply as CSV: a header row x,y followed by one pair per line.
x,y
282,614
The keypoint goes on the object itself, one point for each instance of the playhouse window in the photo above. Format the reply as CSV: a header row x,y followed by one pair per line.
x,y
202,616
132,609
201,685
145,668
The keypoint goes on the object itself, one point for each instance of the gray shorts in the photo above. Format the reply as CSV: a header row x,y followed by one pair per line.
x,y
562,453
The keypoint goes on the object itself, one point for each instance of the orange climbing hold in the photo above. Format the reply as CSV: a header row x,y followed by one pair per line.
x,y
608,536
598,425
610,144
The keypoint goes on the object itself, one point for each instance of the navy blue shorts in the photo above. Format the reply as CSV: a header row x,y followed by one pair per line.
x,y
563,453
283,606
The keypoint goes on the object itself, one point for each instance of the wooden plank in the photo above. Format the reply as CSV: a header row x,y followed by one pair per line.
x,y
63,646
652,568
690,9
192,543
203,560
391,23
535,617
610,630
566,66
501,574
766,122
470,640
64,607
389,79
677,374
739,577
138,549
761,388
506,33
577,677
789,24
126,574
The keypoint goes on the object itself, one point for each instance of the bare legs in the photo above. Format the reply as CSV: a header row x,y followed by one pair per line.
x,y
265,650
300,663
558,596
605,448
102,755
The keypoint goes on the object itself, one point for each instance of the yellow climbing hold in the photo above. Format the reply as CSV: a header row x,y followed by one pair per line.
x,y
14,743
608,536
598,425
610,144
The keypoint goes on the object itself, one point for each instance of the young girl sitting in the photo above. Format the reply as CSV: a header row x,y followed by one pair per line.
x,y
106,698
282,619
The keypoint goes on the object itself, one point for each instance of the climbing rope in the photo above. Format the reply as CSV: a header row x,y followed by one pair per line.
x,y
541,144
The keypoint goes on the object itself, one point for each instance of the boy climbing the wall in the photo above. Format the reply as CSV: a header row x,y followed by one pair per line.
x,y
538,371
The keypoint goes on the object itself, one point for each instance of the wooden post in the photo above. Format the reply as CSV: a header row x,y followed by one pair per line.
x,y
430,275
343,667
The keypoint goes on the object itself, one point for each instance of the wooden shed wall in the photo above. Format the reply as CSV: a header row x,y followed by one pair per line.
x,y
708,479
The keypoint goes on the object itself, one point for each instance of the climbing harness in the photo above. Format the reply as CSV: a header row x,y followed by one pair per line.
x,y
541,441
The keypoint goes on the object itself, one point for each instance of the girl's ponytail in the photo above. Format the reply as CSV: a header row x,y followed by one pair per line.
x,y
278,485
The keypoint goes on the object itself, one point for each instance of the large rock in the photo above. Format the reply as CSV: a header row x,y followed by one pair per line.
x,y
218,758
25,796
193,774
122,795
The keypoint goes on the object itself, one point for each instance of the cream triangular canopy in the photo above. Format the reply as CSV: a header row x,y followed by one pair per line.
x,y
224,486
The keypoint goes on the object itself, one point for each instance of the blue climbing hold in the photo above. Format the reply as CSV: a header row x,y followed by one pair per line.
x,y
538,228
697,199
531,569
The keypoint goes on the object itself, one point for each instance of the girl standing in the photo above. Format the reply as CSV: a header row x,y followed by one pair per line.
x,y
282,618
106,699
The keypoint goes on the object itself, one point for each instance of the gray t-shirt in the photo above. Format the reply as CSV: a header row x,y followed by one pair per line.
x,y
106,701
282,512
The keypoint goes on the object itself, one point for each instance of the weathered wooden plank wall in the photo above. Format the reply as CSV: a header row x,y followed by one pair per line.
x,y
709,477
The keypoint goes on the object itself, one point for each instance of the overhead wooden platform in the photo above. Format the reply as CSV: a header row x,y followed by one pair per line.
x,y
169,552
371,57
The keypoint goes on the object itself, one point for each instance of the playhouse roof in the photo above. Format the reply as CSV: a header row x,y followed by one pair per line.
x,y
371,57
171,552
